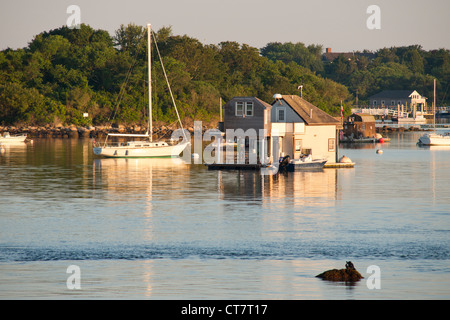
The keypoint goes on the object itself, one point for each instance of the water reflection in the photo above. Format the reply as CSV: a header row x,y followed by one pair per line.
x,y
146,177
126,175
300,187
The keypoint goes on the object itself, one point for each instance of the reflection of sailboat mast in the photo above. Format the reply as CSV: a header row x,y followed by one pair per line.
x,y
220,184
336,178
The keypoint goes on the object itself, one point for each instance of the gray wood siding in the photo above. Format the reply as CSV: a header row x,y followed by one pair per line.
x,y
257,121
291,115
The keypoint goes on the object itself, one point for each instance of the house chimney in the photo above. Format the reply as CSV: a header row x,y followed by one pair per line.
x,y
328,50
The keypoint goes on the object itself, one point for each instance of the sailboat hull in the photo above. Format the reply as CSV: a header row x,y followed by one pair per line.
x,y
435,140
152,151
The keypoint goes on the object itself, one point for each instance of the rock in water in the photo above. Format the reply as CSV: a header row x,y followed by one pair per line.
x,y
349,274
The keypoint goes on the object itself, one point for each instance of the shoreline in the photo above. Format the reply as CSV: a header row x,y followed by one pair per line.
x,y
161,131
73,131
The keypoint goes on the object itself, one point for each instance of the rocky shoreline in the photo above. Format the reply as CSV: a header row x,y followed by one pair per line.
x,y
158,131
88,132
387,129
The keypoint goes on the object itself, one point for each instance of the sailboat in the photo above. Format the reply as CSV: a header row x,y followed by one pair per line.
x,y
146,148
435,139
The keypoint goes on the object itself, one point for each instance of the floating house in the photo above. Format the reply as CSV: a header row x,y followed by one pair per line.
x,y
245,117
359,126
304,129
299,128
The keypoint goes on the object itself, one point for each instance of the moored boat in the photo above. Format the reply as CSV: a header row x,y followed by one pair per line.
x,y
146,148
7,137
435,139
305,163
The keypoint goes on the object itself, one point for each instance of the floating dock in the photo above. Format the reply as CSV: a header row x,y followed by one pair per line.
x,y
255,167
339,165
234,166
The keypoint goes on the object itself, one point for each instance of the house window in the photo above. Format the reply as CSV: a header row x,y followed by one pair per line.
x,y
399,102
249,109
374,102
298,145
392,102
244,109
239,109
382,102
281,114
331,144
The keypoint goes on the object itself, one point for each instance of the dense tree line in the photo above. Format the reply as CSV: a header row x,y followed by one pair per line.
x,y
65,73
367,73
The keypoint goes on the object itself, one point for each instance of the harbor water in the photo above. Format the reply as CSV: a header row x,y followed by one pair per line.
x,y
166,229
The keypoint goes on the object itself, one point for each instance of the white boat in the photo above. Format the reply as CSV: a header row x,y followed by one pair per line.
x,y
417,119
139,149
305,163
146,148
7,138
435,139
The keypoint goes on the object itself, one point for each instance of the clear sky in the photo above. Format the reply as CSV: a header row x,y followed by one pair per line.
x,y
340,25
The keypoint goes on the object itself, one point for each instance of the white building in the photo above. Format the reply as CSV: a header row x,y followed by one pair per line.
x,y
303,128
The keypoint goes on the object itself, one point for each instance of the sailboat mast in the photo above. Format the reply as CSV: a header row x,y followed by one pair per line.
x,y
150,116
434,104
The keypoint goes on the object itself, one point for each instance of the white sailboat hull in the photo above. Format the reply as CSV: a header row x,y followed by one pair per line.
x,y
133,151
431,139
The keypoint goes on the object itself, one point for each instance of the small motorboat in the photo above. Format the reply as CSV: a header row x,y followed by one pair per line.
x,y
305,162
7,138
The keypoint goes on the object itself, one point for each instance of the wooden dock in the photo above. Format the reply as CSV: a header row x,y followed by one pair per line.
x,y
234,166
339,165
255,167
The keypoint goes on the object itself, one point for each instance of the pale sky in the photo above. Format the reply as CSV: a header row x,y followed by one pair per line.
x,y
340,25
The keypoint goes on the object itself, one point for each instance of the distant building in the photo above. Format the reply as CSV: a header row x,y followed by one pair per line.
x,y
329,56
303,128
410,99
359,125
393,98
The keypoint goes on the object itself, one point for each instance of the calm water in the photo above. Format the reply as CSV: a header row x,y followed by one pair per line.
x,y
158,229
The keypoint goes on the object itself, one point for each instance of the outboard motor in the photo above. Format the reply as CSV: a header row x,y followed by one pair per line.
x,y
284,162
